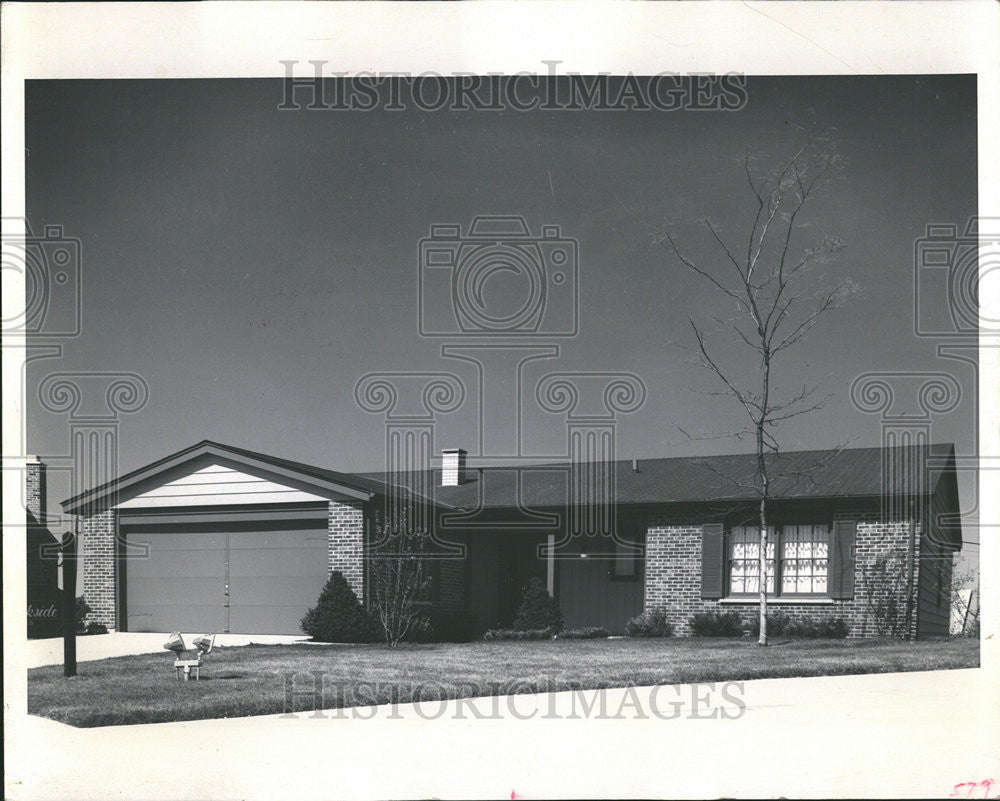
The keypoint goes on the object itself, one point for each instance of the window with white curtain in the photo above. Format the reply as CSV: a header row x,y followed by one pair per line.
x,y
802,568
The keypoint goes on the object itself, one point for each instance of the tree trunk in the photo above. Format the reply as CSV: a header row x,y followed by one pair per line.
x,y
762,472
762,639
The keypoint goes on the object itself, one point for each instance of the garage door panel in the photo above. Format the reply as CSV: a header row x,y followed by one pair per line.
x,y
206,566
176,554
177,617
168,541
179,591
302,538
179,584
278,562
267,619
280,590
274,576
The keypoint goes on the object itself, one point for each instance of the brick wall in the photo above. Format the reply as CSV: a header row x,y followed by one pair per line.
x,y
882,541
673,570
345,543
673,576
97,546
34,489
451,578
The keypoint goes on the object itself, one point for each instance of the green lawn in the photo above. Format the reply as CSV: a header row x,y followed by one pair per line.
x,y
250,680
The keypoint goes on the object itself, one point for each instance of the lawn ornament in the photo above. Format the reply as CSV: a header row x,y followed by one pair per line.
x,y
175,644
183,667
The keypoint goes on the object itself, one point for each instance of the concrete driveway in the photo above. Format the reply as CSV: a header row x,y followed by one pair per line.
x,y
907,735
39,653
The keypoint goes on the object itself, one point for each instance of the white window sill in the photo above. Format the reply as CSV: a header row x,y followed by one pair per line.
x,y
819,601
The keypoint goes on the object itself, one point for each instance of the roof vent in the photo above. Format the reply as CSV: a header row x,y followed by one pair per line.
x,y
453,467
635,465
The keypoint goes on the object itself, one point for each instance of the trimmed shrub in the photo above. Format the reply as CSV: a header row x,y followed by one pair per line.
x,y
338,615
716,624
80,612
780,625
584,633
649,624
830,629
96,628
519,634
538,609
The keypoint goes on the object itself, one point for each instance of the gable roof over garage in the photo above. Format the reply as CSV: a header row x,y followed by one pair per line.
x,y
324,483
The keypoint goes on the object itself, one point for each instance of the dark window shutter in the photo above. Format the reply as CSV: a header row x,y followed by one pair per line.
x,y
713,560
841,565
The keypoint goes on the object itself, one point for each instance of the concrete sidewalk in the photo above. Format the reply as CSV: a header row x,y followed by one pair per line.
x,y
49,651
891,735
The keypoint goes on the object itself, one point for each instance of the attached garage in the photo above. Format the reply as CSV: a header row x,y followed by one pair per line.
x,y
222,573
219,539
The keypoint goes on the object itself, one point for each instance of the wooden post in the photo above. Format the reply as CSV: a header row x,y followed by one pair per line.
x,y
69,551
550,565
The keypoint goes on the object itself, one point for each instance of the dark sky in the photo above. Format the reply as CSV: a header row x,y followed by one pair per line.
x,y
251,264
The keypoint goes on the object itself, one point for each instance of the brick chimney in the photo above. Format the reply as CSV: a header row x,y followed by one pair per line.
x,y
34,488
452,467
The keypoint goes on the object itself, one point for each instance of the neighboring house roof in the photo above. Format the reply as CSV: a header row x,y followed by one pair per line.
x,y
38,533
848,472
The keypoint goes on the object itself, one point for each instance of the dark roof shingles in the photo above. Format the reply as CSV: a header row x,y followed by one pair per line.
x,y
797,474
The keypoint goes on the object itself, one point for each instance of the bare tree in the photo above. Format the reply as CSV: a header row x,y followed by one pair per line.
x,y
399,579
964,593
774,293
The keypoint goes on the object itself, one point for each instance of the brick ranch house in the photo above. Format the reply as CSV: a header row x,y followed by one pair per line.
x,y
218,538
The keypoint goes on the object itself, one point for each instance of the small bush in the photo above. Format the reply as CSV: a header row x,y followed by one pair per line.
x,y
520,634
96,628
538,609
649,624
421,630
716,624
81,610
780,625
830,629
585,633
338,615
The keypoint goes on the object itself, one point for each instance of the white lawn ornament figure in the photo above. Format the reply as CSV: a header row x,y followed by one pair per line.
x,y
183,667
175,644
